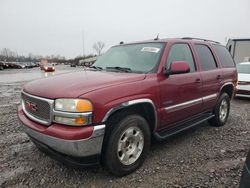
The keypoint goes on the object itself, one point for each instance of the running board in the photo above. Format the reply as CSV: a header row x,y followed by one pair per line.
x,y
163,134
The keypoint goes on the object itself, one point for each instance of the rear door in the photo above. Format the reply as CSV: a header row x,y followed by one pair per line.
x,y
180,93
211,75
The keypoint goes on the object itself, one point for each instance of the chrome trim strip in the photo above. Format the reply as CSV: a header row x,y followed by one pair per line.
x,y
227,83
130,103
77,148
71,114
40,98
51,103
209,97
183,105
87,115
190,103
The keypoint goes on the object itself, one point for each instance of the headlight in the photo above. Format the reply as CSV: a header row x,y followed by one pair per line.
x,y
75,112
73,105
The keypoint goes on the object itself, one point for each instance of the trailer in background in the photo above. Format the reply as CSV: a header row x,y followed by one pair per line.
x,y
239,49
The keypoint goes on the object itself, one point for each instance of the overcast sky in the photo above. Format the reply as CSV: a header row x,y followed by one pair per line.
x,y
46,27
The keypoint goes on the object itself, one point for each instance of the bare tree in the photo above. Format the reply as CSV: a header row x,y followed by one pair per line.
x,y
98,46
5,52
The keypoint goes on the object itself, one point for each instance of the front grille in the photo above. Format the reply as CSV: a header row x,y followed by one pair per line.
x,y
38,108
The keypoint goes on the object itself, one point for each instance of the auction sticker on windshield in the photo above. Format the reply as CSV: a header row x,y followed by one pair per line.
x,y
150,49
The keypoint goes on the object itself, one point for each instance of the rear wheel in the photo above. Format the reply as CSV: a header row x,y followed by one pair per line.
x,y
127,144
221,111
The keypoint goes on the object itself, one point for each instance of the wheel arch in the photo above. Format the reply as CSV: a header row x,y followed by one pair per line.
x,y
227,88
144,107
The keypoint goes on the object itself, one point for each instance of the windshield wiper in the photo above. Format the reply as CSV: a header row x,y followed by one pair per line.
x,y
96,67
123,69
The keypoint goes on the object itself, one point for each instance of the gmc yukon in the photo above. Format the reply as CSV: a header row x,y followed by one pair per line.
x,y
132,94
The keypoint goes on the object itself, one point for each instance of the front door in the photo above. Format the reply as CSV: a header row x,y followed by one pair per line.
x,y
180,94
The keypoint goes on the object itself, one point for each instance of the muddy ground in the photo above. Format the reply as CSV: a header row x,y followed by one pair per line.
x,y
200,157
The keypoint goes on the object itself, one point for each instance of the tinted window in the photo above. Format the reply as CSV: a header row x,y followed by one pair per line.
x,y
206,57
224,56
181,52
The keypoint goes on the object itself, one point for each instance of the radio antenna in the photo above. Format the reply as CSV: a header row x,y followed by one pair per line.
x,y
157,37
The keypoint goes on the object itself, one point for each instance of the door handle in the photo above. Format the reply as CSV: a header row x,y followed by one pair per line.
x,y
218,77
198,80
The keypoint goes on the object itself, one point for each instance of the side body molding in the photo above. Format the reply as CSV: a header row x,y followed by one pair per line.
x,y
130,103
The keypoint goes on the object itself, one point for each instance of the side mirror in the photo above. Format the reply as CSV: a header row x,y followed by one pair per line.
x,y
177,67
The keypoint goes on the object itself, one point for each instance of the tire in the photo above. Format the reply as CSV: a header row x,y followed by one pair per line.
x,y
221,111
127,143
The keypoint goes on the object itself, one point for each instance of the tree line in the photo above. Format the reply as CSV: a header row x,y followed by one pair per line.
x,y
9,55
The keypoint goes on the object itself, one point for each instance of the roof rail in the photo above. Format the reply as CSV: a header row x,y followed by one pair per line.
x,y
206,40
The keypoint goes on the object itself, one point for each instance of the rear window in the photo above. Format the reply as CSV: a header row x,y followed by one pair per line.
x,y
206,57
224,56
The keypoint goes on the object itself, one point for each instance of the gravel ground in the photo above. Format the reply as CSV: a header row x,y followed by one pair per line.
x,y
200,157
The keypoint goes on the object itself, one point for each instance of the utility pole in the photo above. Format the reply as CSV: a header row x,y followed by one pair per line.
x,y
83,43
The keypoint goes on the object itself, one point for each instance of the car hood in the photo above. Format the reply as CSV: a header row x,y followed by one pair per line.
x,y
244,77
71,85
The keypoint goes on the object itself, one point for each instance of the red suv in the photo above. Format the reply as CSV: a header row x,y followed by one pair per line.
x,y
134,92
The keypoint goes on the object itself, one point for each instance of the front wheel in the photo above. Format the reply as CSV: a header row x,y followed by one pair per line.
x,y
221,111
127,144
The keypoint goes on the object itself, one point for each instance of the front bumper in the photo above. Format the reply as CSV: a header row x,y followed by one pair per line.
x,y
86,144
242,91
77,148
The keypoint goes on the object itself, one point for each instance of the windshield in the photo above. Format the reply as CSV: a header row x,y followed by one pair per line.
x,y
243,68
133,57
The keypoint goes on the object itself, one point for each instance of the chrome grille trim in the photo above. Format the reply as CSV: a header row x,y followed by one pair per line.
x,y
87,115
35,117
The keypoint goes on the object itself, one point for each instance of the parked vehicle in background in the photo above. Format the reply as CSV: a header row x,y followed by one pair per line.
x,y
11,65
245,177
20,65
48,67
72,65
88,61
239,49
109,113
243,87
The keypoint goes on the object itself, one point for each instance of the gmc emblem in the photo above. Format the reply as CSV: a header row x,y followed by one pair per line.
x,y
31,106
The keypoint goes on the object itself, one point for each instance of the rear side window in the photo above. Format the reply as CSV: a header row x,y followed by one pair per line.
x,y
206,57
224,56
181,52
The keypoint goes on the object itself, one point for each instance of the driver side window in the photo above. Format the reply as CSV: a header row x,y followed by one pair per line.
x,y
181,52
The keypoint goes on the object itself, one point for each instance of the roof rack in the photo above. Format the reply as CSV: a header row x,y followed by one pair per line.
x,y
206,40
